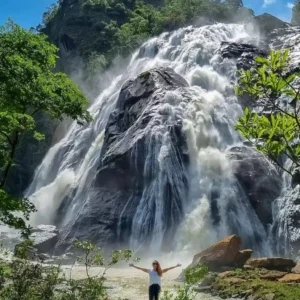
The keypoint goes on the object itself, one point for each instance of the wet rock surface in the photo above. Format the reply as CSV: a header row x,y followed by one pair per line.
x,y
259,179
147,119
244,52
45,238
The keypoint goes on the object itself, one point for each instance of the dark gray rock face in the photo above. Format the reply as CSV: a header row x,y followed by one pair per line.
x,y
261,183
244,52
144,159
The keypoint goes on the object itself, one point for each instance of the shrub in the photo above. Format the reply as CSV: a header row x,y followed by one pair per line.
x,y
33,281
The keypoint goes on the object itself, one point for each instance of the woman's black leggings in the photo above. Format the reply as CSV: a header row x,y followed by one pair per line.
x,y
154,290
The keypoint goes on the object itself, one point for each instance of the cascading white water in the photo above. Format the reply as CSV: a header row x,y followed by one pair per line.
x,y
69,168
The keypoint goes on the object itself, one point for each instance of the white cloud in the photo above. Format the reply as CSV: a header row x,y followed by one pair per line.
x,y
290,5
268,2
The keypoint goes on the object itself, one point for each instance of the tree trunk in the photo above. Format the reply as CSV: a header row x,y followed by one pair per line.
x,y
14,144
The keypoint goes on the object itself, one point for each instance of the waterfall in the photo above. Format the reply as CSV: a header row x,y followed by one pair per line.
x,y
215,205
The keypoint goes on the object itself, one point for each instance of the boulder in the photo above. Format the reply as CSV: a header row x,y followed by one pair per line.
x,y
242,257
296,270
290,278
45,238
226,274
220,254
275,263
272,275
244,52
234,280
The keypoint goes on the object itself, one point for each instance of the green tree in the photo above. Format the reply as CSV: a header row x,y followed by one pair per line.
x,y
270,85
143,22
50,13
28,86
296,14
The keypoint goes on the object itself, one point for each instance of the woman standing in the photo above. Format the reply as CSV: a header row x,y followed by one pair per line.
x,y
155,278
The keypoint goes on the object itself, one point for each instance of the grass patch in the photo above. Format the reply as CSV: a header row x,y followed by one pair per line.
x,y
252,284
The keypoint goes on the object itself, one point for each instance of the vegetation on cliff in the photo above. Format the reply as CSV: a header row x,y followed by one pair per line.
x,y
271,87
112,27
28,86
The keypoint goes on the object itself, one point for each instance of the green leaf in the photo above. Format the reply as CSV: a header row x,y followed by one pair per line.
x,y
262,60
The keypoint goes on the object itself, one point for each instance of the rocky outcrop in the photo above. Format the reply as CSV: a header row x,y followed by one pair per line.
x,y
244,52
274,263
44,238
296,270
272,275
242,257
223,253
290,278
259,179
250,281
144,155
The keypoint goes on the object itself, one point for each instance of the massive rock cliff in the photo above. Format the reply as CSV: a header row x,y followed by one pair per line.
x,y
163,158
146,119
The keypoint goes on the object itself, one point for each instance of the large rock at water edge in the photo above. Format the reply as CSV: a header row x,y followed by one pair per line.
x,y
45,238
242,257
220,254
274,263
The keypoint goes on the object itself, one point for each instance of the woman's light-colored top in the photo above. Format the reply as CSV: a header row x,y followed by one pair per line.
x,y
154,278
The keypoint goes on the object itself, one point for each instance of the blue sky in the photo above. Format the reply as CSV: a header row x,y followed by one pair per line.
x,y
28,13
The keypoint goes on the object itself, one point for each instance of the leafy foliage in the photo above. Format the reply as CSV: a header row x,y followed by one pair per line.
x,y
27,281
117,27
181,293
50,14
193,275
277,134
9,206
146,20
29,86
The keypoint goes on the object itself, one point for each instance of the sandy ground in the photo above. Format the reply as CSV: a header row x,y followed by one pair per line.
x,y
129,283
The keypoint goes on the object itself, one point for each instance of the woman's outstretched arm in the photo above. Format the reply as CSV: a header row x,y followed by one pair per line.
x,y
142,269
168,269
